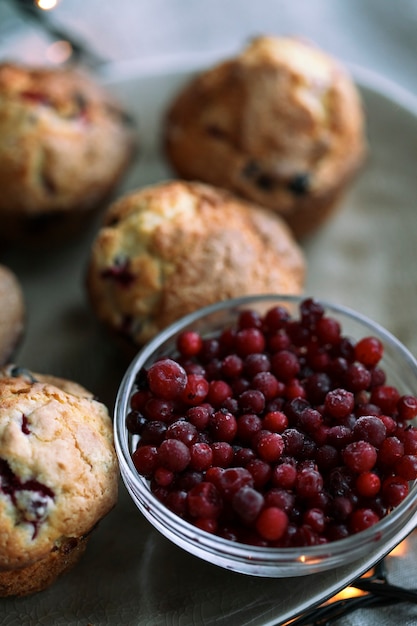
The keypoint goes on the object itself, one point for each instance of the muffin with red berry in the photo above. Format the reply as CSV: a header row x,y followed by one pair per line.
x,y
65,146
12,314
280,124
58,477
168,249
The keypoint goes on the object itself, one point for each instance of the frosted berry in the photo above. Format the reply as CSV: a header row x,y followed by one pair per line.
x,y
167,379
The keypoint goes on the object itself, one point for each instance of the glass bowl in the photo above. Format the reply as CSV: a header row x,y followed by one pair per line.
x,y
401,370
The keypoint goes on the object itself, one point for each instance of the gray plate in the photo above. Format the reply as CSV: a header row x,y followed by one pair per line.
x,y
364,258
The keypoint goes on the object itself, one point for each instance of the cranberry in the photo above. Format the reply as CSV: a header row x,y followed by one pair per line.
x,y
201,456
153,433
275,421
134,422
247,502
183,431
407,407
218,391
370,428
174,455
369,351
204,500
276,318
189,343
394,490
145,459
284,475
196,389
222,453
256,363
269,446
248,341
309,482
167,379
328,330
386,397
232,366
248,425
267,384
368,484
285,365
223,426
232,479
339,403
261,472
360,456
272,523
361,519
249,319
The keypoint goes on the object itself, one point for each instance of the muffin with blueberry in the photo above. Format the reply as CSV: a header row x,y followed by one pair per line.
x,y
280,124
58,477
168,249
12,314
65,145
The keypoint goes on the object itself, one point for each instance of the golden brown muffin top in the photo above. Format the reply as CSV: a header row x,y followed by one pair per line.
x,y
172,248
280,123
58,468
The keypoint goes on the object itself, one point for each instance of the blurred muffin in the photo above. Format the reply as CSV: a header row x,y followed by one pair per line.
x,y
12,314
281,124
58,477
64,147
169,249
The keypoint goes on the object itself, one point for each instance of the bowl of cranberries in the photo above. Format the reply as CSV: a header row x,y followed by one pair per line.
x,y
272,435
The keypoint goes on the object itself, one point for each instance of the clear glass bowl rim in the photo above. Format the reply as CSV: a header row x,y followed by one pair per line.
x,y
212,543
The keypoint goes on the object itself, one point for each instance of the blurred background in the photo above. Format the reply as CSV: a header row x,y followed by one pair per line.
x,y
378,34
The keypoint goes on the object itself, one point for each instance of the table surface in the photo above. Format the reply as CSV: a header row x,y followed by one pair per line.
x,y
380,35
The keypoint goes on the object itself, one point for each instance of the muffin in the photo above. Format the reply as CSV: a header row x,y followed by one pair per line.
x,y
169,249
58,477
281,124
12,314
65,145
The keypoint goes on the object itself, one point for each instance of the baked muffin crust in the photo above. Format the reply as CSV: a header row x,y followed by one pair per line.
x,y
281,124
171,248
58,474
65,143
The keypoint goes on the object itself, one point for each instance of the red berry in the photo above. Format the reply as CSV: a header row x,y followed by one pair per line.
x,y
407,407
360,456
368,484
189,343
196,390
272,523
285,365
204,501
394,490
339,403
167,379
361,519
201,456
369,351
249,340
275,421
174,455
269,446
247,502
145,459
223,426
